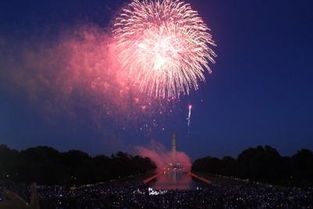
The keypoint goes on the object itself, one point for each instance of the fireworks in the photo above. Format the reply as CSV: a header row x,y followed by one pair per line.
x,y
164,46
189,115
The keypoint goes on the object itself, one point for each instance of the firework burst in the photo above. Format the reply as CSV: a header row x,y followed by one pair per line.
x,y
164,46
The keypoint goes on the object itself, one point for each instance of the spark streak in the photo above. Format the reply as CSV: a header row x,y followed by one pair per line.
x,y
189,115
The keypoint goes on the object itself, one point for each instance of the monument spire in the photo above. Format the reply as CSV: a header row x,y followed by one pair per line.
x,y
174,147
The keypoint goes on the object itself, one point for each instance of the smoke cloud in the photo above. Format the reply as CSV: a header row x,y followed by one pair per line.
x,y
162,156
76,74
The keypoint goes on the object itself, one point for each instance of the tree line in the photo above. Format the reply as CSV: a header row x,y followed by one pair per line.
x,y
46,165
264,164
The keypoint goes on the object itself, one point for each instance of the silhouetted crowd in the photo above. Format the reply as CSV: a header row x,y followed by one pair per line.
x,y
134,195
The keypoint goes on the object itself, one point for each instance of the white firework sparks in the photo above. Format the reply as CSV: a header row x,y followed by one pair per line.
x,y
164,46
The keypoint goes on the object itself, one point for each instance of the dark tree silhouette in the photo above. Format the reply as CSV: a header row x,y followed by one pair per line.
x,y
48,166
262,163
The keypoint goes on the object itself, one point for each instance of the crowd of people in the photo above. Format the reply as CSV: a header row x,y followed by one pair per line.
x,y
136,195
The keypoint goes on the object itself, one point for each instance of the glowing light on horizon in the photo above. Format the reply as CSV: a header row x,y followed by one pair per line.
x,y
164,46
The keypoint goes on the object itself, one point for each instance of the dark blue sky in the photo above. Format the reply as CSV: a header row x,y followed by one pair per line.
x,y
260,92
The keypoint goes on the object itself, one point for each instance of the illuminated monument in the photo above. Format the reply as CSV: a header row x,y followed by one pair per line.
x,y
174,148
174,164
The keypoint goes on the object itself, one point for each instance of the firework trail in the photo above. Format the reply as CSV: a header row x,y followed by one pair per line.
x,y
189,115
164,46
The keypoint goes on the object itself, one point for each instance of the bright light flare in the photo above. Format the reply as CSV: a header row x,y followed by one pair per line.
x,y
189,115
164,46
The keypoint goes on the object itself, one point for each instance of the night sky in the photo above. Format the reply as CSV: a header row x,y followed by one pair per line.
x,y
260,92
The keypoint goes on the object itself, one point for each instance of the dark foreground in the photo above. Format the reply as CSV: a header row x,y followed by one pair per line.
x,y
133,195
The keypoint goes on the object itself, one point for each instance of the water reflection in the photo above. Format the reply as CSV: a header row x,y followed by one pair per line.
x,y
175,180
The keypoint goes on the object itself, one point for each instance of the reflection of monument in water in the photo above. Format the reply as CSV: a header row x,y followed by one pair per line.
x,y
174,166
174,175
